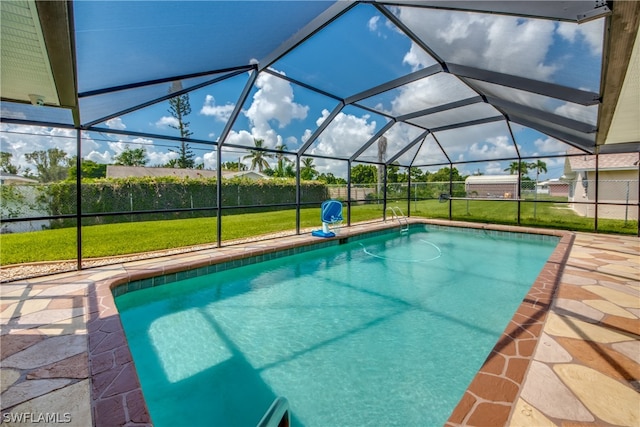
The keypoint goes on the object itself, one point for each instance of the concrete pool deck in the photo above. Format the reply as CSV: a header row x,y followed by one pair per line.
x,y
569,357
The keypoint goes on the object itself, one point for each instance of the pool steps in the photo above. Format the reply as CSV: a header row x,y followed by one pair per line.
x,y
398,215
278,414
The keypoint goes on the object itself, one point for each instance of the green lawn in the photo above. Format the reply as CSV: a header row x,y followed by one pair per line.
x,y
134,237
548,215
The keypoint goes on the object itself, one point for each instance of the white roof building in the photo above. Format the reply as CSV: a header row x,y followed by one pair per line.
x,y
491,179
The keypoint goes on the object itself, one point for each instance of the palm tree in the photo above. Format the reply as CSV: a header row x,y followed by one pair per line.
x,y
258,156
281,159
382,154
308,170
538,166
514,167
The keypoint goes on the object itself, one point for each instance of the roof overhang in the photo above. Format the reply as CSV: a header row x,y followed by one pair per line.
x,y
618,121
38,64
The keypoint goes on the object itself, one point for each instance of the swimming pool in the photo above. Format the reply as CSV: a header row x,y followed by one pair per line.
x,y
381,331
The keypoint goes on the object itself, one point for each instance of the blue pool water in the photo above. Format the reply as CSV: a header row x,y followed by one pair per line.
x,y
387,330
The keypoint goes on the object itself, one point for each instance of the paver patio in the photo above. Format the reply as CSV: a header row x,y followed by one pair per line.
x,y
571,356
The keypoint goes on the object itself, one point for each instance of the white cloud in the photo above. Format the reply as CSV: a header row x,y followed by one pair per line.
x,y
493,147
167,121
220,112
115,123
156,156
19,140
590,32
105,157
337,167
122,144
240,138
520,47
117,147
550,145
373,23
429,92
274,101
160,158
485,141
344,135
291,141
494,168
578,112
459,28
417,58
397,139
209,159
500,43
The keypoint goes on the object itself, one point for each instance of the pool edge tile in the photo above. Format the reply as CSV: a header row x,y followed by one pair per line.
x,y
517,350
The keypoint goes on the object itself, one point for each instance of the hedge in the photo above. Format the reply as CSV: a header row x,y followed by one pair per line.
x,y
165,193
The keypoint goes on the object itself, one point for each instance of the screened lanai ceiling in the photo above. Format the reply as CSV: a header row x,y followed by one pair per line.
x,y
434,82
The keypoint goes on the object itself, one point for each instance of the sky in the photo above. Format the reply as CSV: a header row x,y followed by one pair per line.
x,y
361,49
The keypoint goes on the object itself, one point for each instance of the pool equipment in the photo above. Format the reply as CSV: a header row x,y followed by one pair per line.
x,y
331,216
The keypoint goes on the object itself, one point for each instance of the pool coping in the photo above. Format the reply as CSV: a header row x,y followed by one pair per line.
x,y
116,393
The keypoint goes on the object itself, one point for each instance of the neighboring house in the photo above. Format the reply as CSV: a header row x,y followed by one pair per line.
x,y
492,186
554,187
7,178
617,183
20,199
114,171
253,175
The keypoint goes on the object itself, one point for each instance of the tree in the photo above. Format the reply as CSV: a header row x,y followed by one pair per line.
x,y
51,165
329,178
288,171
258,156
364,174
513,168
444,174
5,164
394,174
382,154
132,157
284,168
179,108
234,166
308,170
538,166
417,175
89,168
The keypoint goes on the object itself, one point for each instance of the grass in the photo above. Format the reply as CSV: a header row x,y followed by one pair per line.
x,y
127,238
144,236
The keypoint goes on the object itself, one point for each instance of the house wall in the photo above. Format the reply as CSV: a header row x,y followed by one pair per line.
x,y
613,187
559,190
